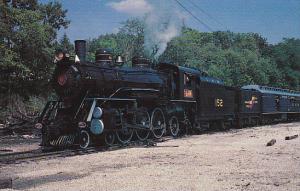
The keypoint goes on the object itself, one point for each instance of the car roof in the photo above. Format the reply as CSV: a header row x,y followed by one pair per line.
x,y
272,90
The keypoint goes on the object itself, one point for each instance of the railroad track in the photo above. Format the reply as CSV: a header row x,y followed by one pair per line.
x,y
39,154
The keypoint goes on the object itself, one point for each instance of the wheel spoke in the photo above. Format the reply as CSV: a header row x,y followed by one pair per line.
x,y
84,139
110,138
143,119
124,135
174,126
158,125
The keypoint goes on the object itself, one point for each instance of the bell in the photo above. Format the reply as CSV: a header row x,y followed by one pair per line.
x,y
119,59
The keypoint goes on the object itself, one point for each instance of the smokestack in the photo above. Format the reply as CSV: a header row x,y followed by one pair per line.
x,y
80,49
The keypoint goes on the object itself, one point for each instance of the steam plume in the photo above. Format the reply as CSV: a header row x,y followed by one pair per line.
x,y
162,21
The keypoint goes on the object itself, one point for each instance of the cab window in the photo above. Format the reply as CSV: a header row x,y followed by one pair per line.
x,y
187,84
187,81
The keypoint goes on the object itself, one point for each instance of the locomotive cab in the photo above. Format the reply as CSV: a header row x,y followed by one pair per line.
x,y
182,81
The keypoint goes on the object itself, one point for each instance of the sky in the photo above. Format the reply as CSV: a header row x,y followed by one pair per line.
x,y
273,19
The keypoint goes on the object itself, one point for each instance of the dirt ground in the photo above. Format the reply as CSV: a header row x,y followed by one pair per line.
x,y
18,143
233,160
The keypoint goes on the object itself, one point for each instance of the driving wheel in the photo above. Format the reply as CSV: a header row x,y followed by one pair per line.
x,y
158,124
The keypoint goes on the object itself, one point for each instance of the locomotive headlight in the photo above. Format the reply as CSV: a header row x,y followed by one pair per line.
x,y
97,113
61,55
58,56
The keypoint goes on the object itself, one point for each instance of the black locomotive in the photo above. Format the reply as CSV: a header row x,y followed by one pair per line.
x,y
105,101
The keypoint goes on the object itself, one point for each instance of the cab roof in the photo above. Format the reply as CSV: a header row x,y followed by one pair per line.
x,y
187,70
203,76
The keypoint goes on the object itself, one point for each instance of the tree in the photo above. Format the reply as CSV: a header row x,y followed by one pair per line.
x,y
237,59
128,42
28,31
130,38
65,44
287,56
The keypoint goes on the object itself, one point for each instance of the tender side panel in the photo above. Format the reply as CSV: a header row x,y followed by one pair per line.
x,y
215,101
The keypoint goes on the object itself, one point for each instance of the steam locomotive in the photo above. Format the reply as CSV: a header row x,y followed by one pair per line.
x,y
105,101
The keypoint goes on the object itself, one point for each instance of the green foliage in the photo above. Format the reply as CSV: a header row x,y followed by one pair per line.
x,y
128,42
103,41
28,37
65,44
28,31
236,58
287,56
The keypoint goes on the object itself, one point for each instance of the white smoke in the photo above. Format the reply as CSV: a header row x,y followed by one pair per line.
x,y
162,24
163,21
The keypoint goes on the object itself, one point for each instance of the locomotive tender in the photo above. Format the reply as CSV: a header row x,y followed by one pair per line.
x,y
105,101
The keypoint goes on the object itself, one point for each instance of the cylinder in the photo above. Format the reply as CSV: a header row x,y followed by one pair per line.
x,y
80,49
